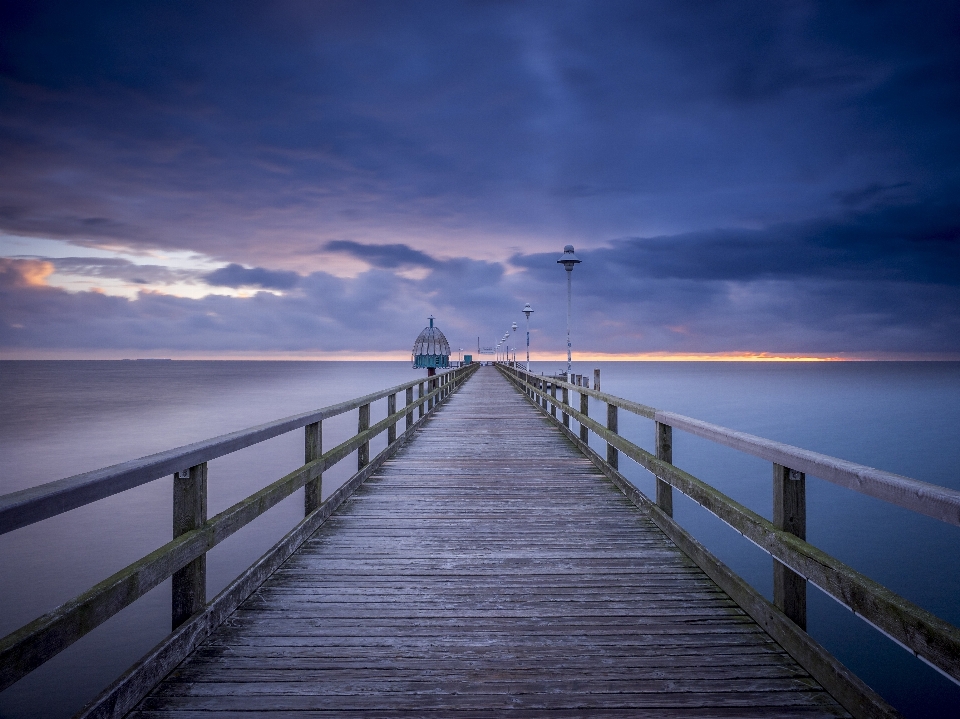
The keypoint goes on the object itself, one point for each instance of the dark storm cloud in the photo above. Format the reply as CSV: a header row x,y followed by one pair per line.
x,y
779,174
234,275
383,256
915,244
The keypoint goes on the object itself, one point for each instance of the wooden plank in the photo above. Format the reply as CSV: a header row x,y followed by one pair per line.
x,y
117,699
189,585
489,568
663,444
931,638
853,693
312,450
25,649
790,515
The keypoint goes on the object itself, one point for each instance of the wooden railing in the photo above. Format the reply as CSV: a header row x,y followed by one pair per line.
x,y
184,558
930,638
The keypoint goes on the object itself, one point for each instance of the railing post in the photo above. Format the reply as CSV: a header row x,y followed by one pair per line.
x,y
312,449
553,406
790,515
420,396
584,409
409,398
596,379
613,456
663,442
189,513
566,403
363,424
392,409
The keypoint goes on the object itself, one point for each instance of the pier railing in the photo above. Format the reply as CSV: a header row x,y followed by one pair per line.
x,y
184,558
796,562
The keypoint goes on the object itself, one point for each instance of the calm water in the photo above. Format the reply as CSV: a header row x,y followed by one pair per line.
x,y
61,418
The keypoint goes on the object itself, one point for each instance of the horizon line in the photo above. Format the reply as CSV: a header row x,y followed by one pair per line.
x,y
397,356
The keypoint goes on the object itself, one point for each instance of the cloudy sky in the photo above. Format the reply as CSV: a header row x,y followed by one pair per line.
x,y
312,179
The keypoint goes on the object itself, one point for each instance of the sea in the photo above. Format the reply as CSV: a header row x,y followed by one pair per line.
x,y
60,418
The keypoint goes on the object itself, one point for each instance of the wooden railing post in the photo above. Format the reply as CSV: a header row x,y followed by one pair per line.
x,y
363,424
420,396
189,513
566,403
312,449
409,398
596,379
391,409
613,456
553,405
790,515
663,442
584,409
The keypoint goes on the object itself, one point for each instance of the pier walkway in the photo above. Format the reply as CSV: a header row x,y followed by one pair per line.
x,y
489,569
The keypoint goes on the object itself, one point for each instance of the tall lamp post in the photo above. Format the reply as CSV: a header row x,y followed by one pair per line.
x,y
513,329
528,310
568,260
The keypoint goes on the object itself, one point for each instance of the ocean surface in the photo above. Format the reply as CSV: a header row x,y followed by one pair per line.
x,y
61,418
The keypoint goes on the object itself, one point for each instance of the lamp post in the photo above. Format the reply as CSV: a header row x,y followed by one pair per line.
x,y
513,329
568,260
528,310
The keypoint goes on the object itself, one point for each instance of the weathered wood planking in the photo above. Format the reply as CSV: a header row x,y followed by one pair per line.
x,y
489,569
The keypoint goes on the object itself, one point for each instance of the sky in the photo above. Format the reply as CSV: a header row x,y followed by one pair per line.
x,y
300,179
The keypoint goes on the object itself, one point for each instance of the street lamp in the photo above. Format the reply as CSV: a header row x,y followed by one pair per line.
x,y
528,310
513,329
568,260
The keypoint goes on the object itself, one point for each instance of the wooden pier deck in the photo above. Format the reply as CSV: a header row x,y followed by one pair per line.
x,y
489,569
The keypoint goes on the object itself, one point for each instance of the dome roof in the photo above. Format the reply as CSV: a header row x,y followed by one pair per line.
x,y
431,342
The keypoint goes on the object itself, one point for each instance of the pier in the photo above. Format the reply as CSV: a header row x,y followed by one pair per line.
x,y
490,567
487,563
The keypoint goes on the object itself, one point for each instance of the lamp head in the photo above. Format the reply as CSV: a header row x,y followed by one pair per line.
x,y
568,259
527,310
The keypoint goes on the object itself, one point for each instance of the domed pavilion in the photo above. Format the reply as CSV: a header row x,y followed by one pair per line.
x,y
431,350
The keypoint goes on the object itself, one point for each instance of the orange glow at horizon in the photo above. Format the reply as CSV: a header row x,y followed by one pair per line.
x,y
404,356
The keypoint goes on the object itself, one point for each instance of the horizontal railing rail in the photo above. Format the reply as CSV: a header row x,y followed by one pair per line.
x,y
941,503
927,636
27,506
183,558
